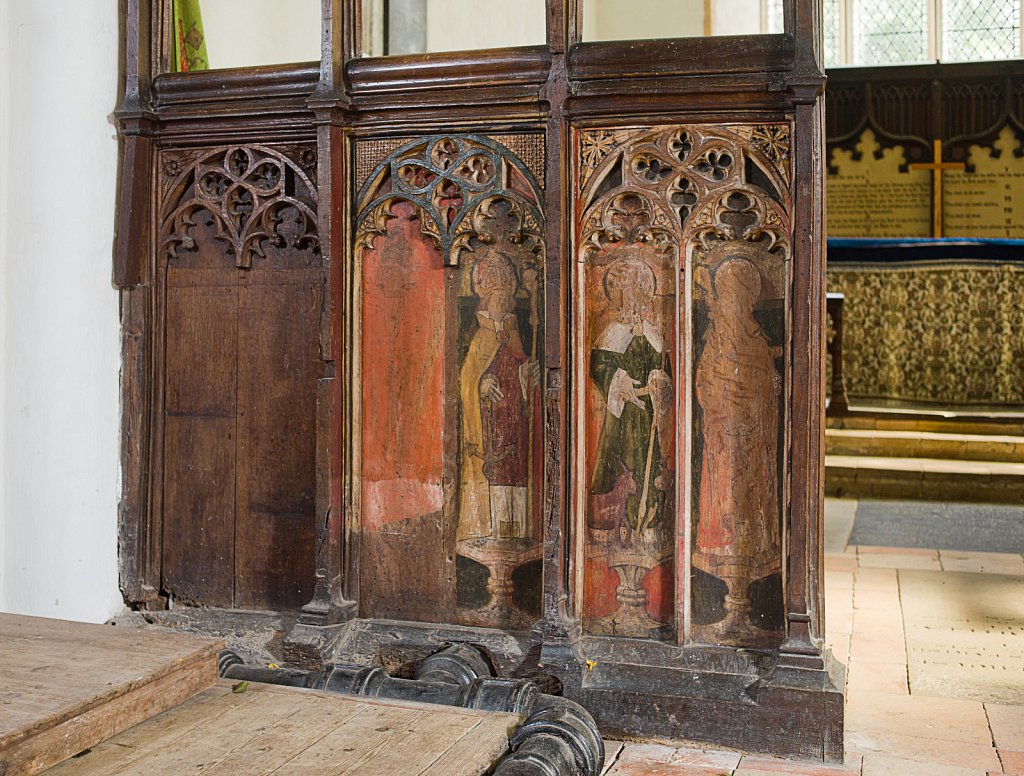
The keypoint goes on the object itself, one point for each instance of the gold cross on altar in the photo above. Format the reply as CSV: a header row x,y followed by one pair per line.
x,y
937,166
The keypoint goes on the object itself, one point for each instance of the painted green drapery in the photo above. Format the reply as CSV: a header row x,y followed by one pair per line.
x,y
189,41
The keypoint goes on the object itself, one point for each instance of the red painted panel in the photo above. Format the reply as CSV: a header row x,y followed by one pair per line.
x,y
402,373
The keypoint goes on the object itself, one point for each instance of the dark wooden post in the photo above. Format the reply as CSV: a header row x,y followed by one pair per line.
x,y
330,604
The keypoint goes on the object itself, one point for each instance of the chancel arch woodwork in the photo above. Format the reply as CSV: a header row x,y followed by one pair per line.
x,y
517,347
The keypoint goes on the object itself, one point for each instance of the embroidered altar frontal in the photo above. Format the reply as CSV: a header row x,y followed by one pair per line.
x,y
941,331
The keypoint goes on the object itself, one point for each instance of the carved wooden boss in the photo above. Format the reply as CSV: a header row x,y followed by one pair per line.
x,y
519,347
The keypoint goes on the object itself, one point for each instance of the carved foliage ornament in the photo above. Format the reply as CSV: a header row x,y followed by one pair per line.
x,y
254,197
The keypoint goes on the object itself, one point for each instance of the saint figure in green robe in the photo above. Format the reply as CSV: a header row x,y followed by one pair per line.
x,y
630,366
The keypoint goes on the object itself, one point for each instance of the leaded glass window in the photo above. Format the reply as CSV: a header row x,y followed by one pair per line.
x,y
889,32
773,16
832,18
980,29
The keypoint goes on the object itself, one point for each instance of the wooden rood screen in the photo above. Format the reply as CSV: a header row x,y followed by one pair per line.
x,y
521,347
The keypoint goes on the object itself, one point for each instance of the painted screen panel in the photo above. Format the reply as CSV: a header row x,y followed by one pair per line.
x,y
683,238
458,537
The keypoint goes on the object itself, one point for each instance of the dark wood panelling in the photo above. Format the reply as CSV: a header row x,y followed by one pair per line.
x,y
788,703
278,369
955,103
199,444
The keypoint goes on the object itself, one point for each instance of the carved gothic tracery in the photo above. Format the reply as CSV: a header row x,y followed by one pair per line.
x,y
255,198
447,179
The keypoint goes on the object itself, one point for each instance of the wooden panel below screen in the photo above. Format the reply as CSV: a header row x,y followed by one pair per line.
x,y
199,444
276,444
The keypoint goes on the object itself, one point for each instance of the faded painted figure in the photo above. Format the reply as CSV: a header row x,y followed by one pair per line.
x,y
497,380
630,366
737,388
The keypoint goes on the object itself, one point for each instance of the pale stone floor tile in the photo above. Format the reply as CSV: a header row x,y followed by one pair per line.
x,y
651,753
1013,762
923,717
886,765
941,751
878,620
874,579
869,676
1007,723
876,598
840,563
725,761
866,645
611,753
902,560
758,766
868,549
982,562
639,768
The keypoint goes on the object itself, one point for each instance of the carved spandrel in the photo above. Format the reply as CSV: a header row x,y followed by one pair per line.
x,y
478,208
655,203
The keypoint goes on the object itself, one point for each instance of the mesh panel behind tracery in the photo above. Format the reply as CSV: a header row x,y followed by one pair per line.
x,y
980,29
888,32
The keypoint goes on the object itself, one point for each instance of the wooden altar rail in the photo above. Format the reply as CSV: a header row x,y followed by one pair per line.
x,y
838,403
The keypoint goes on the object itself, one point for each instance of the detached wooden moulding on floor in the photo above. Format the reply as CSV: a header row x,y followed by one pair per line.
x,y
517,347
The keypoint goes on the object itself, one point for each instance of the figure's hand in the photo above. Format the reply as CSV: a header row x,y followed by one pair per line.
x,y
628,388
660,385
529,375
665,480
490,390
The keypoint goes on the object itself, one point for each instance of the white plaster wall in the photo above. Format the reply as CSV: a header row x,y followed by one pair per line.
x,y
261,32
736,17
5,123
642,19
456,25
58,311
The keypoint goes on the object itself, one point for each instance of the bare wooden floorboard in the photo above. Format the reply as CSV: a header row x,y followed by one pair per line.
x,y
273,747
288,731
67,686
488,740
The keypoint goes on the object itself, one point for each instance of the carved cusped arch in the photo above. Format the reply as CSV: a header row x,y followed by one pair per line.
x,y
452,181
254,198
